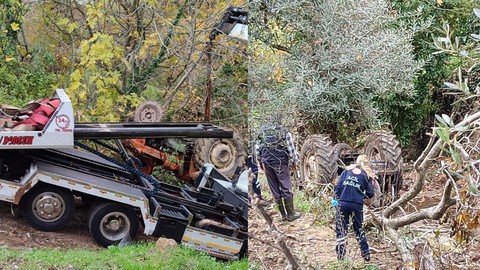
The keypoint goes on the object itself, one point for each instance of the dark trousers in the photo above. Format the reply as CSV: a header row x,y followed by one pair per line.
x,y
345,211
256,186
255,183
278,177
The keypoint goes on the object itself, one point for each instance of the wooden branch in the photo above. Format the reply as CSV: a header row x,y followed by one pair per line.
x,y
421,165
278,236
392,234
175,90
80,9
434,212
254,237
469,120
417,186
280,48
390,226
143,77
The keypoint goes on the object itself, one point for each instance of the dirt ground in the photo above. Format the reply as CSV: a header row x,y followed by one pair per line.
x,y
314,244
15,232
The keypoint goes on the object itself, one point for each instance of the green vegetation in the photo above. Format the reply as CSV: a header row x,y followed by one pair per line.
x,y
141,256
408,115
110,56
347,67
343,56
319,206
350,265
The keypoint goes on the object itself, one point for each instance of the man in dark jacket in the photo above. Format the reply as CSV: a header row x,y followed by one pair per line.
x,y
352,188
277,153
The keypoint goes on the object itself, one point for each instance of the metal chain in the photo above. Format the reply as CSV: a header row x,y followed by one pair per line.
x,y
149,192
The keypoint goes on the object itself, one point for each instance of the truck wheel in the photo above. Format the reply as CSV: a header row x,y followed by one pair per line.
x,y
383,146
48,208
318,162
227,155
110,222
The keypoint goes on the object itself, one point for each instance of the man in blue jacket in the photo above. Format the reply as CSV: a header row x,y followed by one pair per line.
x,y
351,189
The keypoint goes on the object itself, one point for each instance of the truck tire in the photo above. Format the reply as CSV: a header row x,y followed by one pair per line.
x,y
48,208
383,146
110,222
318,162
227,155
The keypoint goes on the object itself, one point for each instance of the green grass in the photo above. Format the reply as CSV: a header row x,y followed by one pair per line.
x,y
350,265
319,206
141,256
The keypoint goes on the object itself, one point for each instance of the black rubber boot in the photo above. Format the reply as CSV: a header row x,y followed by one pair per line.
x,y
291,214
281,209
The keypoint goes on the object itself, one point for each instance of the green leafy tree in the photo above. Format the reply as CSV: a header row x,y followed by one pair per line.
x,y
342,55
463,49
22,77
110,55
409,115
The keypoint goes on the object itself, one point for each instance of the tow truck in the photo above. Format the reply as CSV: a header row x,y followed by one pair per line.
x,y
44,170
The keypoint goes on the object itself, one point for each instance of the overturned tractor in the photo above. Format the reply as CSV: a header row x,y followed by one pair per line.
x,y
321,162
184,156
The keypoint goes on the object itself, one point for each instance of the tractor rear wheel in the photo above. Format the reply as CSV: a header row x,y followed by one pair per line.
x,y
226,155
318,163
383,146
344,155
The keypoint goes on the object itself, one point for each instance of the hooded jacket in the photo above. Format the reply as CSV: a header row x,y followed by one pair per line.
x,y
353,188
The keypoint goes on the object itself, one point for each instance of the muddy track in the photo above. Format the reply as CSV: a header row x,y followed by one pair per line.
x,y
15,232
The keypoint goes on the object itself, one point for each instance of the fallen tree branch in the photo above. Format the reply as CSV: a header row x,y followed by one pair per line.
x,y
390,226
407,256
277,235
251,236
420,165
434,212
428,155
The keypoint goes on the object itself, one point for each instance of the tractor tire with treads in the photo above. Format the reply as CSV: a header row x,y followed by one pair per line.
x,y
383,146
344,155
341,150
318,163
149,112
227,155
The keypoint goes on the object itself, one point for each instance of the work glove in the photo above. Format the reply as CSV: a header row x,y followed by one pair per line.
x,y
334,203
